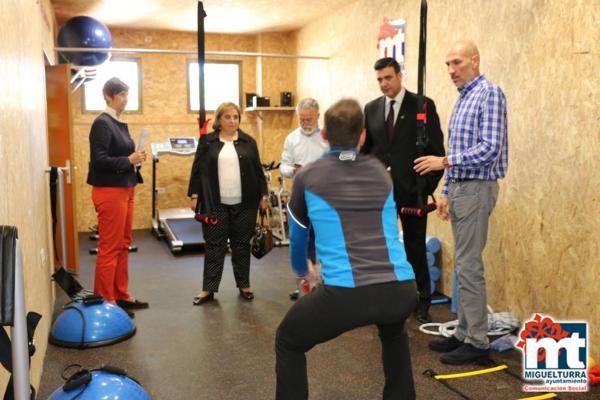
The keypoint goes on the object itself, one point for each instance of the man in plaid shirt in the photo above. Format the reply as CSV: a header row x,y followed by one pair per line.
x,y
477,158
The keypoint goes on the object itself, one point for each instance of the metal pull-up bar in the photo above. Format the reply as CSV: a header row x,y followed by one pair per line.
x,y
191,52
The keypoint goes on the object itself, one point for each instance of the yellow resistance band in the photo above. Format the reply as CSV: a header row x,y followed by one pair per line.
x,y
542,397
472,373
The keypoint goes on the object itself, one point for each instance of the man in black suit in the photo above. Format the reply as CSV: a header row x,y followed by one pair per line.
x,y
391,137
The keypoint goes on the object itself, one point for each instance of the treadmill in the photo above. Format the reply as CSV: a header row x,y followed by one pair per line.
x,y
176,225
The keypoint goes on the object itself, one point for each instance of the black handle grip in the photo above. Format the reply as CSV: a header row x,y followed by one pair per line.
x,y
79,378
113,370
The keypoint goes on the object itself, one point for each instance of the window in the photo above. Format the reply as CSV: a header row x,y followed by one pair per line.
x,y
222,82
126,70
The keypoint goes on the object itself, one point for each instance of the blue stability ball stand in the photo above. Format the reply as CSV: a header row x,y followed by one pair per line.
x,y
106,386
93,325
84,32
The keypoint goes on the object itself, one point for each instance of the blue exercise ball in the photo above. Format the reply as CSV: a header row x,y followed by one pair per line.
x,y
106,386
84,32
94,325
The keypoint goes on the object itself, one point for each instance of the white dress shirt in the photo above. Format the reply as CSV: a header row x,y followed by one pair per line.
x,y
301,148
399,99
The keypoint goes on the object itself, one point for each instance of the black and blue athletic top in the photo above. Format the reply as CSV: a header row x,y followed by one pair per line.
x,y
348,199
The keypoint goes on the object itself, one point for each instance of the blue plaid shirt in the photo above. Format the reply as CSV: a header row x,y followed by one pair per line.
x,y
478,137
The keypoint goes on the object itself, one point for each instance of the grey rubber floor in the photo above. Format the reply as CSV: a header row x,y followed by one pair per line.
x,y
225,350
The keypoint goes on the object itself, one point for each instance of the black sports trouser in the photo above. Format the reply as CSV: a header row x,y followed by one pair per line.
x,y
414,233
236,223
329,311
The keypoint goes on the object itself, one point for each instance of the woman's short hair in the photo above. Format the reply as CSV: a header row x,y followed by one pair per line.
x,y
114,86
223,107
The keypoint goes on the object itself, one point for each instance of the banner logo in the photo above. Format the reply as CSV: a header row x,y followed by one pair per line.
x,y
555,355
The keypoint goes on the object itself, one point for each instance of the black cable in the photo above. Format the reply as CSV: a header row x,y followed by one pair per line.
x,y
68,307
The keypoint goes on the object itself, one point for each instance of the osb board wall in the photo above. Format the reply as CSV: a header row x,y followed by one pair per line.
x,y
543,252
277,75
24,202
165,112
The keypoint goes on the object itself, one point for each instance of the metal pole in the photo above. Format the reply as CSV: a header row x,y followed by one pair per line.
x,y
20,345
63,227
173,51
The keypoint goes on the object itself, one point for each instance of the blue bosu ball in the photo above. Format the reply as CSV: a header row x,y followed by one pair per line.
x,y
84,32
94,325
106,386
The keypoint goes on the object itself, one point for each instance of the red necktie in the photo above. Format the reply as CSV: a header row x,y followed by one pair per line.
x,y
389,121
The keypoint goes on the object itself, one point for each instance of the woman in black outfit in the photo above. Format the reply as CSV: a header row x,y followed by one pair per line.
x,y
227,165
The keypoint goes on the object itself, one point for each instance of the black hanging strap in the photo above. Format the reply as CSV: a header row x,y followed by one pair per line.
x,y
207,207
201,61
53,193
422,208
422,104
8,241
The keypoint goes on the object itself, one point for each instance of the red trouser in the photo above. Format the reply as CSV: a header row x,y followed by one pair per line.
x,y
114,206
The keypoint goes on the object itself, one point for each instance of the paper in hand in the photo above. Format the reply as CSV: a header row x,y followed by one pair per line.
x,y
142,141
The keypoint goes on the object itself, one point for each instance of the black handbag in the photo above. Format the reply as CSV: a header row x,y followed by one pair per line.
x,y
262,241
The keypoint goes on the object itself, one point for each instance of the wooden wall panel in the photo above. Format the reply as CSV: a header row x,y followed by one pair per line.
x,y
277,75
543,250
24,201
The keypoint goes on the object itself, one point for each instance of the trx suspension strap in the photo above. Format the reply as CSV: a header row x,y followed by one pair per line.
x,y
204,212
422,208
53,204
201,60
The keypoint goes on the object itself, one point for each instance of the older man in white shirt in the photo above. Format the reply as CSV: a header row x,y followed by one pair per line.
x,y
304,144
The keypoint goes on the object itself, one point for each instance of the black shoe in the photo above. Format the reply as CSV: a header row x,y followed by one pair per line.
x,y
445,345
248,296
422,313
466,354
294,295
133,304
199,300
423,317
130,313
